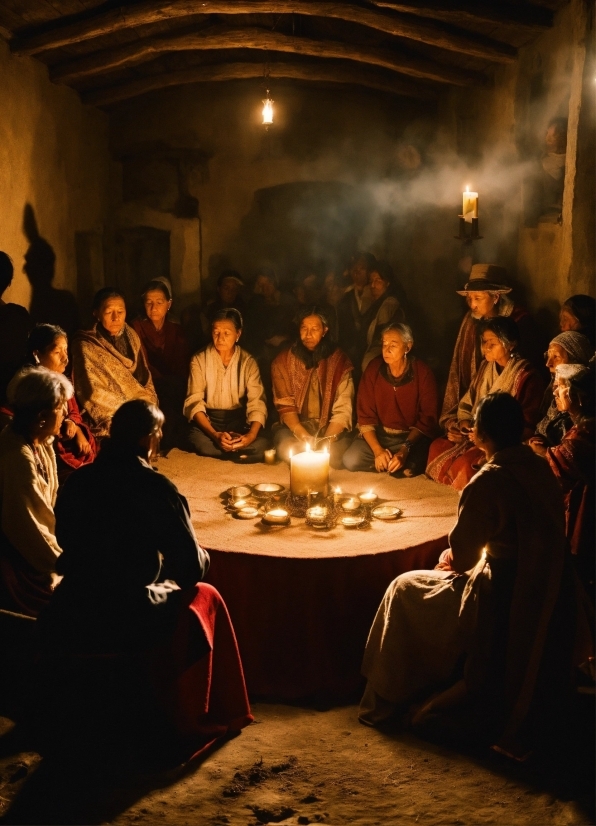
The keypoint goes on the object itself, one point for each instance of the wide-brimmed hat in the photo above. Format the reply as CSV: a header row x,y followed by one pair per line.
x,y
486,278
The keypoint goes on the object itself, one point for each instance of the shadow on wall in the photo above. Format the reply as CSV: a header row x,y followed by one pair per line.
x,y
48,304
291,226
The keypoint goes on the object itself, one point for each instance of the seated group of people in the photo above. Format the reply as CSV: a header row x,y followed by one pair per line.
x,y
138,541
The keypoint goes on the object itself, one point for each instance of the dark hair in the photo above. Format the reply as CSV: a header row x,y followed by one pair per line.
x,y
35,390
132,422
505,329
41,337
228,314
156,284
229,274
369,259
385,271
269,274
583,307
103,295
6,271
500,417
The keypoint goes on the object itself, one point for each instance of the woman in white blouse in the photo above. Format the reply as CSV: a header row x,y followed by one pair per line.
x,y
28,488
225,403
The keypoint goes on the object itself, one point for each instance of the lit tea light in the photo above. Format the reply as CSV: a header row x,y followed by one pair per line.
x,y
268,487
337,495
351,504
238,504
270,456
277,516
247,513
317,514
368,498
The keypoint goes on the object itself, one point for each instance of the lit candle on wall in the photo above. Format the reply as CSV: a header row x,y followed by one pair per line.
x,y
309,471
470,205
267,110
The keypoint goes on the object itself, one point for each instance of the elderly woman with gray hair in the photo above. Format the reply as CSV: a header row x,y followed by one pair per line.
x,y
397,409
28,489
569,347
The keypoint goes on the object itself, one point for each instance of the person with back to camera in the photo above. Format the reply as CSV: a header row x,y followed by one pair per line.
x,y
225,402
109,365
132,588
453,459
28,488
489,633
397,409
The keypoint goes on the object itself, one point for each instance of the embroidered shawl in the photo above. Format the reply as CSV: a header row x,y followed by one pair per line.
x,y
291,380
103,377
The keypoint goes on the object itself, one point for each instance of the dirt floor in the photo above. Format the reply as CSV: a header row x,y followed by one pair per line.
x,y
301,765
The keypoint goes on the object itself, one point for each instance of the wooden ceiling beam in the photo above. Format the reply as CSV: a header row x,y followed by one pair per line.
x,y
132,54
322,72
153,11
534,19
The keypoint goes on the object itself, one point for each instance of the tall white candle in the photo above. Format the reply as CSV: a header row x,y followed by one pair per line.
x,y
470,205
309,471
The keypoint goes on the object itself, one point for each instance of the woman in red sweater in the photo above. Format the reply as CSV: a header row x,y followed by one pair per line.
x,y
397,409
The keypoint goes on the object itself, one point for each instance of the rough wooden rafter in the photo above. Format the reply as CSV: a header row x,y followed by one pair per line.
x,y
153,11
132,54
534,19
321,72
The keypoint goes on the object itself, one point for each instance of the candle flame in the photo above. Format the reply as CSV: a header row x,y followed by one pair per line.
x,y
370,492
338,490
484,553
267,111
325,449
291,453
308,447
467,189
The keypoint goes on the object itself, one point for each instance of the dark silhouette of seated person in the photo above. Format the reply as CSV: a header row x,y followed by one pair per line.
x,y
578,314
229,295
48,304
132,585
15,324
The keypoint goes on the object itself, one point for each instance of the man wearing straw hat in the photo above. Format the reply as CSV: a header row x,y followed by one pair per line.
x,y
486,294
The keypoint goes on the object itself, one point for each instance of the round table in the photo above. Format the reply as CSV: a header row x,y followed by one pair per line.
x,y
301,600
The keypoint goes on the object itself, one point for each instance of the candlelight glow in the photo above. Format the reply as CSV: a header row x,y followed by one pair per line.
x,y
308,447
267,111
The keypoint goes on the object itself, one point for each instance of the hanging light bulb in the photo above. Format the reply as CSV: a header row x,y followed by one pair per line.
x,y
267,111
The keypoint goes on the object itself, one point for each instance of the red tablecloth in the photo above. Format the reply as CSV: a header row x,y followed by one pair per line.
x,y
302,601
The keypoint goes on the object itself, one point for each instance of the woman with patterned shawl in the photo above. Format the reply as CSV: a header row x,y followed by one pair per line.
x,y
313,391
486,296
454,459
109,365
572,462
566,348
492,627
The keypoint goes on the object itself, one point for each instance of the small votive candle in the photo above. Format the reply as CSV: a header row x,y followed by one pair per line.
x,y
351,504
277,516
337,496
368,498
238,504
270,456
317,514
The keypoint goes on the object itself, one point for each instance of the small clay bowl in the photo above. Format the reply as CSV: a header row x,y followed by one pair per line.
x,y
247,513
386,512
352,521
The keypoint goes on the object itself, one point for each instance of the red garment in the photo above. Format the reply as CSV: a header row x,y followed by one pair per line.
x,y
205,698
455,464
66,457
398,407
166,350
467,356
572,462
